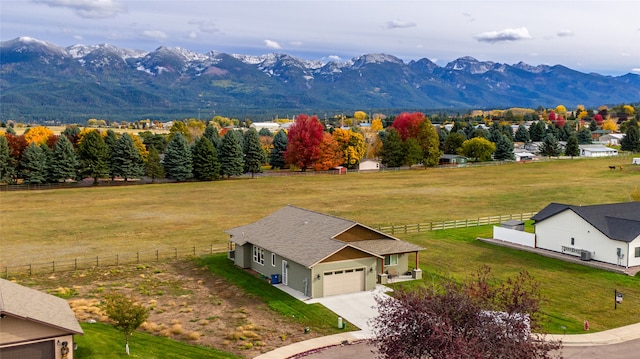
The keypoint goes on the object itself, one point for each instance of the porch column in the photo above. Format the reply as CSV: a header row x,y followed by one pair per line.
x,y
417,261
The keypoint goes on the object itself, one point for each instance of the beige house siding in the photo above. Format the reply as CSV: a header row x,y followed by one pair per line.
x,y
13,330
320,268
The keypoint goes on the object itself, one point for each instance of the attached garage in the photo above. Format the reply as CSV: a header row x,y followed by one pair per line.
x,y
344,281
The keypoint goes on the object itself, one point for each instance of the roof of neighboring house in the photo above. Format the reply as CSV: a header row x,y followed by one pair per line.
x,y
597,148
618,221
29,304
307,237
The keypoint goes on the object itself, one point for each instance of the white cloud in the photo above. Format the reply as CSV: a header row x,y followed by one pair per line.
x,y
399,24
636,70
504,35
155,34
272,44
334,58
295,43
90,9
205,26
565,33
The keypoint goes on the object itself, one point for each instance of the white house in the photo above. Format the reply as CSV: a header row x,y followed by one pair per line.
x,y
597,151
611,139
369,165
607,233
271,126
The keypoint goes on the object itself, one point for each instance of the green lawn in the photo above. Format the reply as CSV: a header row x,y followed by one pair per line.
x,y
102,341
573,292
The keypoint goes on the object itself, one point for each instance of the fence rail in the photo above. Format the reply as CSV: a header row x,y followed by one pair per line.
x,y
458,223
110,260
159,255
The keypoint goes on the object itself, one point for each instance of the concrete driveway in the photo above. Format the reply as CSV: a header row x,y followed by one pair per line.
x,y
355,308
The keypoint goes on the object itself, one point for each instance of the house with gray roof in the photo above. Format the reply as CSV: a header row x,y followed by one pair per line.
x,y
607,233
34,324
319,255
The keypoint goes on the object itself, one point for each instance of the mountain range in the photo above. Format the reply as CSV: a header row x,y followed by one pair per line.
x,y
40,81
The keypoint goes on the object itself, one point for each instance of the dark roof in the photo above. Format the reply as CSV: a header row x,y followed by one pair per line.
x,y
618,221
29,304
308,237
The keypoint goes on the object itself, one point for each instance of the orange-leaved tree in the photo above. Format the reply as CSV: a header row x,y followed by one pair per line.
x,y
330,154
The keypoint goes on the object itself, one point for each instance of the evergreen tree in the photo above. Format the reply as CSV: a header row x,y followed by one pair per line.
x,y
231,162
276,158
94,156
550,147
412,152
211,133
154,167
631,140
34,165
453,143
265,132
537,131
504,149
7,163
111,140
392,153
206,166
522,135
177,158
584,136
63,163
254,156
429,143
126,160
572,149
593,126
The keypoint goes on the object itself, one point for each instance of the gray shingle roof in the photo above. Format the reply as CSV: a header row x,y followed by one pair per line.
x,y
29,304
618,221
385,246
305,236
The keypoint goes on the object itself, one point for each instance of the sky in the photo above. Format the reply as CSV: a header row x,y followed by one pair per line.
x,y
587,35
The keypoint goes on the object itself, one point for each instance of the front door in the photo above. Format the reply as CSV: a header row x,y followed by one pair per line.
x,y
285,268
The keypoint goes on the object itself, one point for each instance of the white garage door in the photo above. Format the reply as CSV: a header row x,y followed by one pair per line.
x,y
343,281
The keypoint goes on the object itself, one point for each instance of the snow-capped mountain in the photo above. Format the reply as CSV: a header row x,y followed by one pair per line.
x,y
42,80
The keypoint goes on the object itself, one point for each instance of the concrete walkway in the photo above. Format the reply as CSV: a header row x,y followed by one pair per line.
x,y
607,337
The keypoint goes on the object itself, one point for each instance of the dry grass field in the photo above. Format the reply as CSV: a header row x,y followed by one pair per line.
x,y
48,225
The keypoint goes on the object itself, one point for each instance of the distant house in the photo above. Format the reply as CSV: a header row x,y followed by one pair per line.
x,y
271,126
523,155
452,160
595,135
319,255
597,151
34,324
611,139
607,233
369,165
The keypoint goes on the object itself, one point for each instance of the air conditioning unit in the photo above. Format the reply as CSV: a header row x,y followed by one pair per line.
x,y
585,255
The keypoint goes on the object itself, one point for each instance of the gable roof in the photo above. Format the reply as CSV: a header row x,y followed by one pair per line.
x,y
29,304
308,237
618,221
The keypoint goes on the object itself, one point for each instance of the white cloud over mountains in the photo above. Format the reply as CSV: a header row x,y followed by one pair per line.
x,y
90,9
520,33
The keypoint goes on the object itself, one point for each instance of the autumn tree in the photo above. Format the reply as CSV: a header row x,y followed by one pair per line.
x,y
7,163
206,166
153,167
33,164
64,161
631,140
125,314
276,156
478,148
599,120
230,155
127,161
352,145
254,155
304,139
376,125
178,163
427,138
330,153
478,318
38,135
408,124
94,156
572,148
610,125
180,127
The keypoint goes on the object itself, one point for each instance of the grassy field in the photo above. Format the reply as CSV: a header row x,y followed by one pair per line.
x,y
47,225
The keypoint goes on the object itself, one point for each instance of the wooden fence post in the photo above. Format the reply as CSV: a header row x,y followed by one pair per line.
x,y
75,264
30,270
97,261
176,249
157,260
137,257
194,251
117,259
53,266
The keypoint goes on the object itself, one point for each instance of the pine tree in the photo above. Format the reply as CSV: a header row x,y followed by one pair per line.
x,y
111,140
63,163
206,166
126,160
276,158
7,163
254,156
584,136
537,131
392,150
504,149
177,158
231,162
631,140
211,132
522,135
550,147
572,149
154,167
34,165
94,156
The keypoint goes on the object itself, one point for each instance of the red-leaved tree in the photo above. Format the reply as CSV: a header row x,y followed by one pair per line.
x,y
598,118
408,124
477,319
304,139
560,122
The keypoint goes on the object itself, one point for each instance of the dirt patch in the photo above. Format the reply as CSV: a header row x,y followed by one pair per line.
x,y
186,302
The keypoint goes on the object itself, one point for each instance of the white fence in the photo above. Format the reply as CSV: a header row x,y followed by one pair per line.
x,y
514,236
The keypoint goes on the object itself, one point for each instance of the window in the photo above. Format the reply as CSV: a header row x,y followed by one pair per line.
x,y
573,241
273,259
258,255
391,260
637,252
